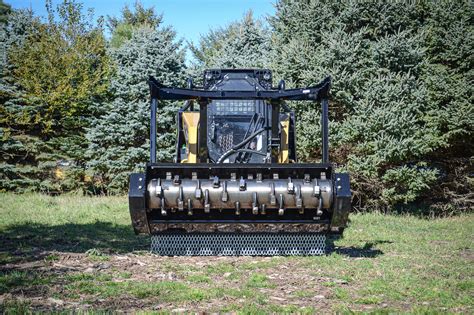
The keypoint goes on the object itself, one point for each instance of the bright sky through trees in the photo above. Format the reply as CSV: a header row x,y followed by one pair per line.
x,y
190,18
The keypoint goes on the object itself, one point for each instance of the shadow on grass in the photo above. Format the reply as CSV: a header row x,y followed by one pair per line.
x,y
27,242
367,251
18,240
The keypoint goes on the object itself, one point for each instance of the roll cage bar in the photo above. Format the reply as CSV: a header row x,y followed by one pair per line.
x,y
276,97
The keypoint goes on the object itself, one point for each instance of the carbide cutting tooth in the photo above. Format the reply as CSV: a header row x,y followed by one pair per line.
x,y
163,210
237,208
225,195
263,210
181,199
242,184
158,188
176,180
254,204
215,182
198,191
320,207
316,188
190,207
307,178
272,194
299,203
272,200
281,210
291,186
298,199
207,206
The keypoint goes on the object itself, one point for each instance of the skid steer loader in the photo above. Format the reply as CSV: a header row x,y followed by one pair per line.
x,y
235,187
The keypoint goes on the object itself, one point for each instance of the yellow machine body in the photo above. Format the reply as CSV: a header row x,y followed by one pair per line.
x,y
190,125
283,157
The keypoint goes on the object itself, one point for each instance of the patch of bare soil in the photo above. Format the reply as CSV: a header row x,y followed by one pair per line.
x,y
46,286
286,282
467,254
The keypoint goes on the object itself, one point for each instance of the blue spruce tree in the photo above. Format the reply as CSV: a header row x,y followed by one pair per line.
x,y
242,44
18,147
119,137
400,96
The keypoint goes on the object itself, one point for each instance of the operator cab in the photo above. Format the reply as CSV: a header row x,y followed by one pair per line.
x,y
231,121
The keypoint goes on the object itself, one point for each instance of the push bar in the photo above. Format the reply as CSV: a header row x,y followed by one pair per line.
x,y
313,93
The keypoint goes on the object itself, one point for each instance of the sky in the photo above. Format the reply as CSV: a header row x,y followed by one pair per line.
x,y
190,18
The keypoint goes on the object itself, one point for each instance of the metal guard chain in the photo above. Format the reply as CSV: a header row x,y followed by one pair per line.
x,y
239,244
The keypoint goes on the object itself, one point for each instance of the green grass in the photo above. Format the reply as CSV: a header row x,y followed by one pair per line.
x,y
167,291
257,280
68,222
17,279
386,263
199,278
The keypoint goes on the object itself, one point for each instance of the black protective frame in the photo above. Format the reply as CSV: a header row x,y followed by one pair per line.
x,y
143,220
275,97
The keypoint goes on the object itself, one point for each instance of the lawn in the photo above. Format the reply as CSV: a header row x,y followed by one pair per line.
x,y
79,253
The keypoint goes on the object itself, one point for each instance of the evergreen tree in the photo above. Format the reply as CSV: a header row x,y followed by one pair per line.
x,y
119,138
448,75
384,123
5,9
131,19
56,71
401,108
242,44
16,147
18,26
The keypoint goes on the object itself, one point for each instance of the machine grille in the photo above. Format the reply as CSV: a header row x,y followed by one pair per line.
x,y
226,141
239,244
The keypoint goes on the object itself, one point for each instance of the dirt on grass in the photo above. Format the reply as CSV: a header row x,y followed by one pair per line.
x,y
279,282
64,281
73,253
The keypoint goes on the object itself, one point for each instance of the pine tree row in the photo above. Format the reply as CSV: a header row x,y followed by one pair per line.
x,y
74,105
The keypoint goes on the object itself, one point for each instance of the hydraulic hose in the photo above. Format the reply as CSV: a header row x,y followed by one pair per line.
x,y
246,155
245,151
240,145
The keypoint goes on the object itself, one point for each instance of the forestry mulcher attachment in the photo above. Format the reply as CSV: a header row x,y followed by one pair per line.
x,y
235,187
